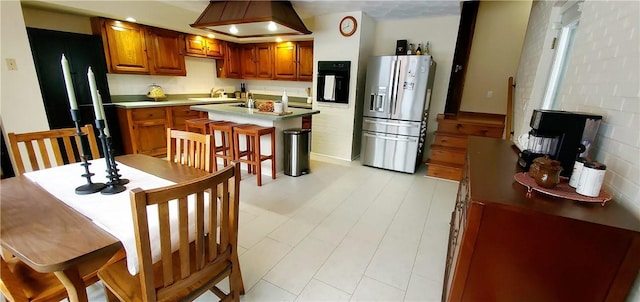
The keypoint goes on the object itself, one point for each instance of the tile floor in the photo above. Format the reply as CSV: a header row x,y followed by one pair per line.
x,y
344,232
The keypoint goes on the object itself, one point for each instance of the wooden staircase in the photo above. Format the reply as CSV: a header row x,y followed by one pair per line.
x,y
449,149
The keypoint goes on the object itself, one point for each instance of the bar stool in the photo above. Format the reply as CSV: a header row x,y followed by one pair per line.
x,y
198,125
254,156
225,150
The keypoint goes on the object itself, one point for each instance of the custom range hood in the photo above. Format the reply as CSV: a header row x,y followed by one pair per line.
x,y
246,19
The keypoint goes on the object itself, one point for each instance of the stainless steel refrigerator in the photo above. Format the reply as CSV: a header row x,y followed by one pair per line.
x,y
395,111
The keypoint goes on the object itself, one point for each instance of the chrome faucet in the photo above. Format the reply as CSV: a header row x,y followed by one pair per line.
x,y
215,91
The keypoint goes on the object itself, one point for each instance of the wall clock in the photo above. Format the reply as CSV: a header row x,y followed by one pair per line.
x,y
348,26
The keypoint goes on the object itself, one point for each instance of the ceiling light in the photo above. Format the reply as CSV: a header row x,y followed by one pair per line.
x,y
211,36
272,26
252,18
233,29
278,39
131,19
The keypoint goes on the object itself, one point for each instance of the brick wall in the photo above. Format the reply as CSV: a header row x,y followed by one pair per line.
x,y
531,59
603,77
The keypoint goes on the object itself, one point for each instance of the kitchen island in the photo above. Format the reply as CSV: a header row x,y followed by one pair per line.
x,y
239,114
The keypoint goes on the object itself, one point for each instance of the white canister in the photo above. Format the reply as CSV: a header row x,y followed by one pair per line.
x,y
591,179
277,107
577,170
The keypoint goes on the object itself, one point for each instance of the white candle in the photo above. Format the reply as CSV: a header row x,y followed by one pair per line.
x,y
97,104
68,83
106,126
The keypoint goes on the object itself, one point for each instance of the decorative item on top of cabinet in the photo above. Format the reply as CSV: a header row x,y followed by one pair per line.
x,y
294,61
230,67
138,49
256,61
125,45
198,46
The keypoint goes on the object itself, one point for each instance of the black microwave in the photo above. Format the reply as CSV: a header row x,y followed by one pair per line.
x,y
333,81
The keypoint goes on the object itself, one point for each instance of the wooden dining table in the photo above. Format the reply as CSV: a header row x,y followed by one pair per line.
x,y
52,237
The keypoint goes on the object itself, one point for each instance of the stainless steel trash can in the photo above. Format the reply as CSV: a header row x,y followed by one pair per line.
x,y
297,145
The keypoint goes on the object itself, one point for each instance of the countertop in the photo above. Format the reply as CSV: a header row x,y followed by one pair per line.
x,y
253,113
190,101
193,101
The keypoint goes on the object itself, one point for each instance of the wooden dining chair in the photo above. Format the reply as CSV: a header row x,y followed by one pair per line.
x,y
63,144
189,148
20,283
199,263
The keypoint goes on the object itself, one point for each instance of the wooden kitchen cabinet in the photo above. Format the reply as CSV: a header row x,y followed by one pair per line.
x,y
166,53
506,245
305,61
144,130
256,61
306,122
285,67
178,114
198,46
132,48
125,45
294,61
230,66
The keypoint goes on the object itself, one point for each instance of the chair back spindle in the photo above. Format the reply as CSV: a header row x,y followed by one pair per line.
x,y
189,148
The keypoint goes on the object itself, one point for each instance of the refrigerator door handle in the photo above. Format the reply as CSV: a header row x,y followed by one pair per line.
x,y
392,82
389,124
391,138
396,77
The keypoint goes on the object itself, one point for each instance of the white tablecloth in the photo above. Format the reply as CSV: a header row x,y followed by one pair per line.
x,y
110,212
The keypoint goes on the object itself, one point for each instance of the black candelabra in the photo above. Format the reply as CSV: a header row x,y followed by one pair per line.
x,y
90,187
115,184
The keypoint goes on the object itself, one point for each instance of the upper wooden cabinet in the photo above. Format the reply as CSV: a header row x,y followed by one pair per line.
x,y
198,46
305,61
230,66
165,48
257,61
285,61
294,61
138,49
125,45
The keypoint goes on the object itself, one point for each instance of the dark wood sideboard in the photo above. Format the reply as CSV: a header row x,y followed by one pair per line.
x,y
505,246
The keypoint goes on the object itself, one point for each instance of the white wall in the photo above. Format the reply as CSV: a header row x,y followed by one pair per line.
x,y
332,133
21,106
603,76
367,41
534,66
494,56
441,32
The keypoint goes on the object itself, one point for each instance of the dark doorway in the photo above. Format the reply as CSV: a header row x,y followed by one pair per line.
x,y
461,56
6,167
82,51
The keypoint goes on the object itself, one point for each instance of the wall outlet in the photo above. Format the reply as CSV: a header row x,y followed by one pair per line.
x,y
11,64
489,94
